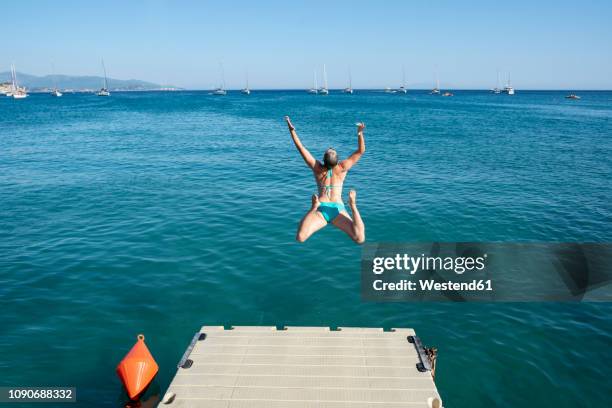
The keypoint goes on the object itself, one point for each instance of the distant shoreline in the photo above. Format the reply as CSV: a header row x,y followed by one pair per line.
x,y
335,91
85,84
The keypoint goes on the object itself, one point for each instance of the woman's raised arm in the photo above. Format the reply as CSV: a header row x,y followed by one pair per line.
x,y
308,159
354,158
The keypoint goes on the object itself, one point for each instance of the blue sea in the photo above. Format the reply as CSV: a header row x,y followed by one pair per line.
x,y
158,213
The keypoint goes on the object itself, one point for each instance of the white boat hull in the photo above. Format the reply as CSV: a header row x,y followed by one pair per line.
x,y
20,95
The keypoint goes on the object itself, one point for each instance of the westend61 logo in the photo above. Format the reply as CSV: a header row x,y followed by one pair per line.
x,y
413,264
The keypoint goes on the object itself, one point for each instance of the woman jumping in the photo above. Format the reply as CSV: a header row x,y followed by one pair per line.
x,y
327,206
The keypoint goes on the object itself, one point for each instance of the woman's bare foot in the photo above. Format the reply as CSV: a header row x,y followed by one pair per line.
x,y
352,198
315,203
358,233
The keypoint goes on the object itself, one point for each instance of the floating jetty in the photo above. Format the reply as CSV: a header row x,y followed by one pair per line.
x,y
304,367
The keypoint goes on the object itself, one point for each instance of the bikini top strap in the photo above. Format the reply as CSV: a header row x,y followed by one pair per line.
x,y
328,187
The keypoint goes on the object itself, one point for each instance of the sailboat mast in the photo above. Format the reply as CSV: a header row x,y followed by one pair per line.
x,y
350,80
105,80
13,77
15,83
403,76
324,77
316,85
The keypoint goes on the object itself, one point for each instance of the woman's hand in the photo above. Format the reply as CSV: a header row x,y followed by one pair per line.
x,y
360,127
289,124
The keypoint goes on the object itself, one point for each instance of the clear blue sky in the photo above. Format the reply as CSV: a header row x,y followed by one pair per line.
x,y
544,44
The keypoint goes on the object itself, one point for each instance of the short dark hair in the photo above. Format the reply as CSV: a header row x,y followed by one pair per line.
x,y
330,158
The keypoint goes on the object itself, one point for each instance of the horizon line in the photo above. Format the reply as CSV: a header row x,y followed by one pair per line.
x,y
167,85
340,90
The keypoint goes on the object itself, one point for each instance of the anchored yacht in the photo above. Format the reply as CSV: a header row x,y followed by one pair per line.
x,y
104,90
221,89
55,92
436,90
349,89
315,86
324,90
402,89
508,88
497,89
17,92
246,90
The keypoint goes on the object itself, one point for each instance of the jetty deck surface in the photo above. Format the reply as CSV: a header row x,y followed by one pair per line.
x,y
300,367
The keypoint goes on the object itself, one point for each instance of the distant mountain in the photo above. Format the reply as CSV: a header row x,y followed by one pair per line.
x,y
34,83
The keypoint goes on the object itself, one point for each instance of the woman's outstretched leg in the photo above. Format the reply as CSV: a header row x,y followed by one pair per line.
x,y
354,228
358,226
311,223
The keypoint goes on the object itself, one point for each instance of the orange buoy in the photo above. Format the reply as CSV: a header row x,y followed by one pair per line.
x,y
137,368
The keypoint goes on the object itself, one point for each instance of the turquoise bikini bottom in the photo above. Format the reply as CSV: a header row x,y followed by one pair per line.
x,y
330,210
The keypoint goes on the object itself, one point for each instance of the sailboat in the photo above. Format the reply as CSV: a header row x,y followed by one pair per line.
x,y
508,88
221,89
324,90
18,93
349,89
497,89
402,89
246,90
12,89
104,91
55,92
315,86
436,90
